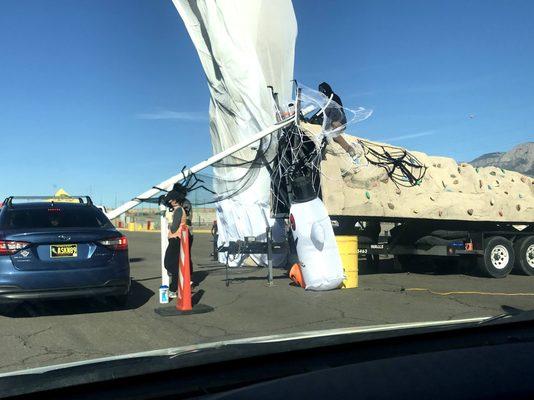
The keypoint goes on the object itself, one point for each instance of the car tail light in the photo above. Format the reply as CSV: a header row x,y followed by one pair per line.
x,y
8,247
116,243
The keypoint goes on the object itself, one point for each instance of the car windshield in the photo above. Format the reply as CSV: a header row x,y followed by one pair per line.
x,y
179,173
53,217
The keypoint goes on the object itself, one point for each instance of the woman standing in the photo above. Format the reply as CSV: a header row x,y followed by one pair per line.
x,y
172,254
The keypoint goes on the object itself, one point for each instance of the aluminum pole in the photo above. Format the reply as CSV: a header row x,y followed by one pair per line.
x,y
168,183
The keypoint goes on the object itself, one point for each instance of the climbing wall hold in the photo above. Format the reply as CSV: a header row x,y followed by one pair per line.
x,y
518,207
470,211
455,182
492,201
368,195
391,206
398,191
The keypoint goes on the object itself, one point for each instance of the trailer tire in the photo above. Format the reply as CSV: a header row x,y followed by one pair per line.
x,y
498,258
524,255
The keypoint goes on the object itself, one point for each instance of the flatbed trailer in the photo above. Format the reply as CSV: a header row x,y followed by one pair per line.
x,y
495,247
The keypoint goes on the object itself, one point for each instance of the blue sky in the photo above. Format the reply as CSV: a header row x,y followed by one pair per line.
x,y
107,97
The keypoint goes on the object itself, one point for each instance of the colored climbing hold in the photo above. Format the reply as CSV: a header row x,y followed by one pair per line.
x,y
368,195
440,213
518,207
476,169
391,206
489,187
455,182
480,183
501,213
470,211
432,198
492,201
493,173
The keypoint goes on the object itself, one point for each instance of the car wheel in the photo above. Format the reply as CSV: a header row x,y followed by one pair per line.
x,y
498,258
524,255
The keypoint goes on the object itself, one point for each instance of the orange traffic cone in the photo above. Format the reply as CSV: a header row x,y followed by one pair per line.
x,y
183,301
295,274
184,304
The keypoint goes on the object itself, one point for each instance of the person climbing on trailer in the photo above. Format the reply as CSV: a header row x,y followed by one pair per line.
x,y
336,118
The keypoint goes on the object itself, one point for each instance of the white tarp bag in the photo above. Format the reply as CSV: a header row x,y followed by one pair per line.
x,y
244,47
316,245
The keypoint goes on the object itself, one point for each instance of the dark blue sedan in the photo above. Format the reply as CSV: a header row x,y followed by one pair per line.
x,y
54,249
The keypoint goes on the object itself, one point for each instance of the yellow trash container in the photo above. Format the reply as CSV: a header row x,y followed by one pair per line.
x,y
131,226
348,250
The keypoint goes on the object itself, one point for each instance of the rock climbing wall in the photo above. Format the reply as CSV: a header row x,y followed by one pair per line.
x,y
448,190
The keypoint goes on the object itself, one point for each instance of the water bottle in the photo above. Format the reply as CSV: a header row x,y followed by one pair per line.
x,y
163,294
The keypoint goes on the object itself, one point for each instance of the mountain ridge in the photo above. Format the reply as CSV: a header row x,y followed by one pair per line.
x,y
519,159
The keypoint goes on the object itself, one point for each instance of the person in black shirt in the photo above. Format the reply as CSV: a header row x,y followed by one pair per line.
x,y
181,215
336,117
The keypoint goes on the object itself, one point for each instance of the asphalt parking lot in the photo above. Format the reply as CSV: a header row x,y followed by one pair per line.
x,y
44,333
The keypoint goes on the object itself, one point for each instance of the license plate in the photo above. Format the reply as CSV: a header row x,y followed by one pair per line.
x,y
63,250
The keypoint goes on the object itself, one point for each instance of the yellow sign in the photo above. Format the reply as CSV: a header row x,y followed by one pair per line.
x,y
62,196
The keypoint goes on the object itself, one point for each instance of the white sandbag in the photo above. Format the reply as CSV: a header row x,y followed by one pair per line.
x,y
316,246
